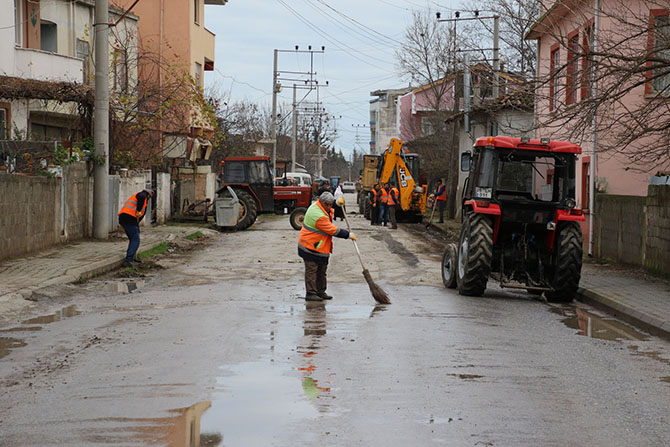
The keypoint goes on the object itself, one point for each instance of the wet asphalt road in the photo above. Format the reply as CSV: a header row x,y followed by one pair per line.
x,y
219,349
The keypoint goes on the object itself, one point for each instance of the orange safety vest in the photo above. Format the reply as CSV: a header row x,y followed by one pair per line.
x,y
441,193
392,202
374,197
130,207
318,230
385,196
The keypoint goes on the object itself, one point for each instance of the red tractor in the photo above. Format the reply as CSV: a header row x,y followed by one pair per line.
x,y
520,223
252,181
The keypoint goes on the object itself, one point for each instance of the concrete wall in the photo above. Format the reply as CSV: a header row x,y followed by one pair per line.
x,y
39,212
635,230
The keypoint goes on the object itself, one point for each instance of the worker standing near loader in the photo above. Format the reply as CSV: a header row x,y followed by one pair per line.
x,y
393,201
131,214
315,244
384,205
441,198
374,204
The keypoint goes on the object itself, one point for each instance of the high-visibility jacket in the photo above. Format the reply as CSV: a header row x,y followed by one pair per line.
x,y
373,197
394,197
316,235
130,207
384,198
441,193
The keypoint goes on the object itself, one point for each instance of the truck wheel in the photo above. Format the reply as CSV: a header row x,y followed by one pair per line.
x,y
474,255
449,266
367,209
361,204
296,218
568,269
248,210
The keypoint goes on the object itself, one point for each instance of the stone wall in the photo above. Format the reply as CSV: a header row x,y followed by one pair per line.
x,y
635,230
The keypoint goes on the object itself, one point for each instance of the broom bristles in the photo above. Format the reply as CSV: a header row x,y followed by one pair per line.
x,y
377,292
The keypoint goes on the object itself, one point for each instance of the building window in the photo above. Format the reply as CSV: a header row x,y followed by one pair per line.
x,y
587,62
572,67
554,71
18,22
198,74
120,70
4,121
83,53
659,50
49,36
196,11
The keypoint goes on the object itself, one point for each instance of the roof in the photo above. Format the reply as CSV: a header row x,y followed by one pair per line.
x,y
530,144
559,10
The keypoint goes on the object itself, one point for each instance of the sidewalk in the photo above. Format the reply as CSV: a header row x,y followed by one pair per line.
x,y
628,294
21,277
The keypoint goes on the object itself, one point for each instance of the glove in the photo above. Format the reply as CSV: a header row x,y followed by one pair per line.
x,y
340,201
352,236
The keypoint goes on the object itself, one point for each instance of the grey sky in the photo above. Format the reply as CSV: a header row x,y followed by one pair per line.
x,y
359,58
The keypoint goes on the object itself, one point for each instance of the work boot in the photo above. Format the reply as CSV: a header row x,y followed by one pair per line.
x,y
324,296
394,227
126,263
137,260
313,297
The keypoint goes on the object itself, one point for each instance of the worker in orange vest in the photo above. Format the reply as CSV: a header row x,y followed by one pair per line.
x,y
131,214
315,244
375,200
383,198
441,198
393,202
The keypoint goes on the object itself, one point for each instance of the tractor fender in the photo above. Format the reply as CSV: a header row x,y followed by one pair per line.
x,y
484,207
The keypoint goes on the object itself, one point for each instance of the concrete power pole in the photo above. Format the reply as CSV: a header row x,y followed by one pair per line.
x,y
101,122
275,90
295,130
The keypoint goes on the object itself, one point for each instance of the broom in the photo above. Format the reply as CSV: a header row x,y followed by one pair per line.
x,y
377,292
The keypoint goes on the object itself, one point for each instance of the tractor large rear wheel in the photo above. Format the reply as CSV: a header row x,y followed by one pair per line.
x,y
248,210
475,252
568,269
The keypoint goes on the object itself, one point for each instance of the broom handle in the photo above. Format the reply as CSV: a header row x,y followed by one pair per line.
x,y
346,219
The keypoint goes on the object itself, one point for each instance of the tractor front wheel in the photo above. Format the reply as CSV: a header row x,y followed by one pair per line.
x,y
568,269
296,218
248,210
475,252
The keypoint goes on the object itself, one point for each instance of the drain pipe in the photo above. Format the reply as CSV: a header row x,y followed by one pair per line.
x,y
594,130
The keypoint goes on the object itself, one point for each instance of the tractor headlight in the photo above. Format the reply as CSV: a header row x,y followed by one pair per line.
x,y
418,189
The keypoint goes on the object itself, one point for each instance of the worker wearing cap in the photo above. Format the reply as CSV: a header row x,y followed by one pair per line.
x,y
131,214
315,244
441,199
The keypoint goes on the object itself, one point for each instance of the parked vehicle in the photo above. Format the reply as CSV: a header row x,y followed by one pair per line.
x,y
348,187
251,179
300,178
520,223
367,180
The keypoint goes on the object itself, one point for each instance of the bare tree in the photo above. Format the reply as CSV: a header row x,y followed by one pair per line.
x,y
616,86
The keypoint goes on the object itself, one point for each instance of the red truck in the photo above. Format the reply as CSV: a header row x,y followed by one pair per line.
x,y
252,181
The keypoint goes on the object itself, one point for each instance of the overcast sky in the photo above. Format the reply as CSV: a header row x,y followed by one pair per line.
x,y
359,57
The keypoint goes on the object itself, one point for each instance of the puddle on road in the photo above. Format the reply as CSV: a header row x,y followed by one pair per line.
x,y
7,344
66,312
124,286
591,325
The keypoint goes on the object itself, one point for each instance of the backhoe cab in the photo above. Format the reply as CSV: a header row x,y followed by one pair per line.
x,y
520,223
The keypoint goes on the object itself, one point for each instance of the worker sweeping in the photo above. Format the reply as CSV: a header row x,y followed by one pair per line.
x,y
130,216
315,244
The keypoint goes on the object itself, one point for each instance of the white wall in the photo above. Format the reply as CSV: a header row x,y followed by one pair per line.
x,y
7,38
163,197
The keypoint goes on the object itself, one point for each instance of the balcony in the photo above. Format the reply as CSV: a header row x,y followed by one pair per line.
x,y
47,66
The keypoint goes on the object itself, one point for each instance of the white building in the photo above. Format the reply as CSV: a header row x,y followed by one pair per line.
x,y
383,118
53,41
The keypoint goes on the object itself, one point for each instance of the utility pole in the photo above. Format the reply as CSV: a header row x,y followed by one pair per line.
x,y
295,130
276,88
101,122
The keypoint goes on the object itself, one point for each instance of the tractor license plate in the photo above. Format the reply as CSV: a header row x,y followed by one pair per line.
x,y
483,193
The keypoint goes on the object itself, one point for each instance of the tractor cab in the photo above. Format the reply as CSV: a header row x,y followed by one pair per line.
x,y
253,175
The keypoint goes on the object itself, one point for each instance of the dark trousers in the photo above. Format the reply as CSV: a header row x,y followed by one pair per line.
x,y
315,277
374,214
440,208
391,208
133,233
383,213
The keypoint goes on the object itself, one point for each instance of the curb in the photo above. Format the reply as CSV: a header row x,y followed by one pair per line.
x,y
645,321
77,273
